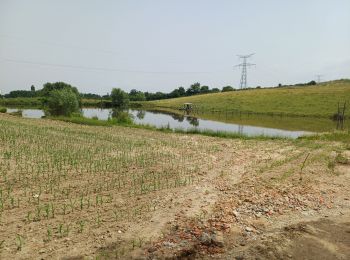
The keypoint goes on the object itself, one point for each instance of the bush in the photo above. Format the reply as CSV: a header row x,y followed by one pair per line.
x,y
3,110
62,102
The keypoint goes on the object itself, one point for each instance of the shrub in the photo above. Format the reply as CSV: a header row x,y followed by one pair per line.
x,y
3,110
62,102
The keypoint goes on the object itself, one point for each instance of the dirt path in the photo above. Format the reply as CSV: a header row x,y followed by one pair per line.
x,y
271,207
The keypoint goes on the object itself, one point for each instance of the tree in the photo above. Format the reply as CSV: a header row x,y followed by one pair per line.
x,y
227,88
32,88
182,91
62,102
119,98
136,95
49,87
215,90
174,94
194,89
20,93
90,96
311,83
204,89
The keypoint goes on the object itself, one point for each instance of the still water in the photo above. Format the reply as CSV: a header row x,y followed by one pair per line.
x,y
250,126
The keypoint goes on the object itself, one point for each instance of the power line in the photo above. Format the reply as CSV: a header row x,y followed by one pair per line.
x,y
244,65
100,68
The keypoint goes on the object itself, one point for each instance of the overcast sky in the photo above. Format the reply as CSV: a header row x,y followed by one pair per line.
x,y
158,45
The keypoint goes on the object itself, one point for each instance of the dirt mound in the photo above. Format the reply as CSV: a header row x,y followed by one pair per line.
x,y
322,239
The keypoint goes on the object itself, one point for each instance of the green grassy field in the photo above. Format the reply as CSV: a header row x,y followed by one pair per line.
x,y
321,100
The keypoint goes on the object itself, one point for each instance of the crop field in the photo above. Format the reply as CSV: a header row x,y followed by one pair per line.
x,y
58,181
77,191
320,100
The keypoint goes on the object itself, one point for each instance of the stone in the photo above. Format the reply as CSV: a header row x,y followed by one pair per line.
x,y
218,239
205,239
249,229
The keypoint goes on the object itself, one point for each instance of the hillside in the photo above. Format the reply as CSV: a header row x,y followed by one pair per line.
x,y
319,100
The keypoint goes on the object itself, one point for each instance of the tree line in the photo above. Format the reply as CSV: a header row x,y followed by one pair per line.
x,y
133,95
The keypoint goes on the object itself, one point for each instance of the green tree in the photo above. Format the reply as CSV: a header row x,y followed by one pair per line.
x,y
194,89
204,89
62,102
227,88
182,91
32,88
136,95
49,87
119,98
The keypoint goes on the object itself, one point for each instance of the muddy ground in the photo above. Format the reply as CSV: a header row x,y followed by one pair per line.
x,y
250,199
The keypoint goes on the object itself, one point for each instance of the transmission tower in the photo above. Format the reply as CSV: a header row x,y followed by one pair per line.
x,y
319,76
244,65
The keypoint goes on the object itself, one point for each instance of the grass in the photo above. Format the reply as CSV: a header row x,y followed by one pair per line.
x,y
84,121
337,136
229,135
319,101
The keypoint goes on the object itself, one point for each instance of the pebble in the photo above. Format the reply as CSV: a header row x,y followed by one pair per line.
x,y
249,229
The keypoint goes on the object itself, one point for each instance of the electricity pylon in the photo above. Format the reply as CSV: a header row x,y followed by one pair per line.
x,y
244,65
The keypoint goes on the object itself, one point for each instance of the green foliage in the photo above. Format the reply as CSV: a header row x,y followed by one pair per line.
x,y
27,102
3,109
62,102
204,89
119,98
227,88
48,87
225,134
194,89
21,94
136,95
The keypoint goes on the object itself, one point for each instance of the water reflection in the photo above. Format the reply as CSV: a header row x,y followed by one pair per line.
x,y
140,114
230,122
193,120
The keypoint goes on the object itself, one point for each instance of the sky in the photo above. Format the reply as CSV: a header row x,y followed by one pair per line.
x,y
159,45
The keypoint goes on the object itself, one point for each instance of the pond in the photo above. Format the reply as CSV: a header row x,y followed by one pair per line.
x,y
250,125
